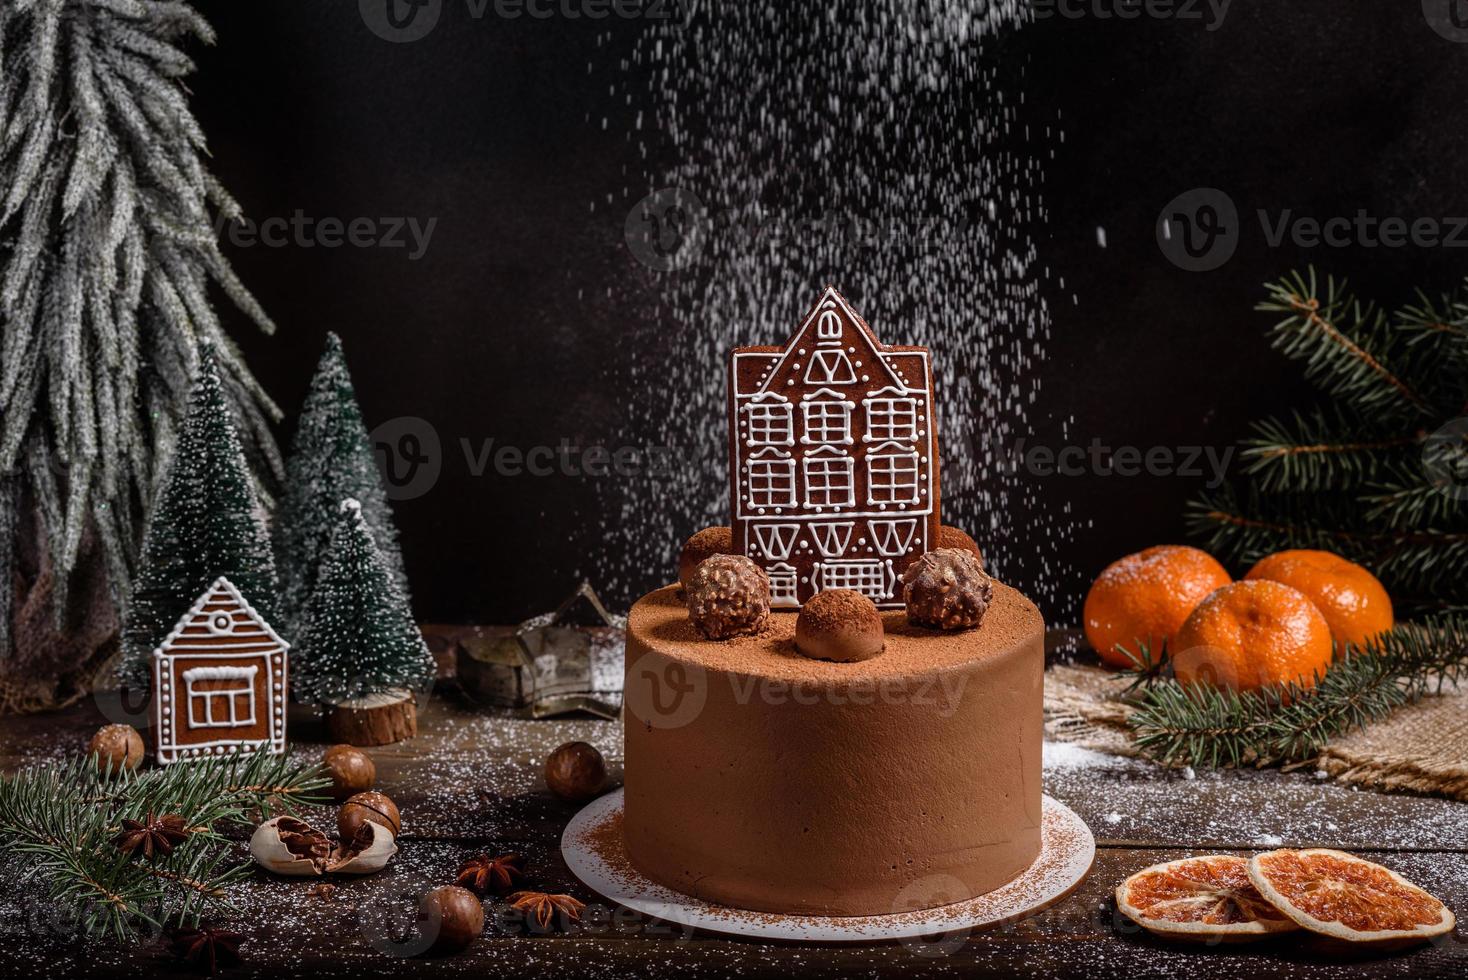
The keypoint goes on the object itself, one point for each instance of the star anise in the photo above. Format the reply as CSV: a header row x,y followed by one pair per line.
x,y
484,874
542,907
154,837
207,948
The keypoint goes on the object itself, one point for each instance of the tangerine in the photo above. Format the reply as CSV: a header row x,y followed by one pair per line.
x,y
1253,634
1145,597
1352,600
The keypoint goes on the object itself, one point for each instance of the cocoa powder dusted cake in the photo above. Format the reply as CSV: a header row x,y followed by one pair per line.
x,y
881,745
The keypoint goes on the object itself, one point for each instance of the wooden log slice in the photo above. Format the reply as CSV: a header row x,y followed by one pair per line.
x,y
376,719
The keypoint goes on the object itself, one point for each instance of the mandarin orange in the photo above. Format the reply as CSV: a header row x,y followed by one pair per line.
x,y
1352,600
1144,598
1250,635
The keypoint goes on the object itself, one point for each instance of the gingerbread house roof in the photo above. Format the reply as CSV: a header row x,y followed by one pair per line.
x,y
199,631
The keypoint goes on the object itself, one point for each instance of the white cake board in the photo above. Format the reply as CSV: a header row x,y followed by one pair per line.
x,y
1066,852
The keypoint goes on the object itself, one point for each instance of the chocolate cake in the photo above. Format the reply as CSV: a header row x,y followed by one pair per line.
x,y
891,756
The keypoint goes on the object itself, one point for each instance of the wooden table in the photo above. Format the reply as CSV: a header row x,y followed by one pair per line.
x,y
470,782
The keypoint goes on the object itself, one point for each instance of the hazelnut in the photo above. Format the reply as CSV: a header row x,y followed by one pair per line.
x,y
705,544
452,916
351,770
575,772
117,747
947,589
728,596
841,625
363,807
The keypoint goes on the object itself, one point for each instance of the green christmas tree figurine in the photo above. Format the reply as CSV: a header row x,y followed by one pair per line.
x,y
331,460
359,650
205,522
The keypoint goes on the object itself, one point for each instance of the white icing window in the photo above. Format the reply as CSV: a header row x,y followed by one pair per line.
x,y
770,424
828,481
867,577
772,483
892,478
220,697
891,418
782,586
828,327
827,422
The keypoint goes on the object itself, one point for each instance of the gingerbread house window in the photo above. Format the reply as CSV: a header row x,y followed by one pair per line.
x,y
783,592
772,482
827,422
828,327
891,418
770,424
867,577
828,481
220,697
830,367
892,478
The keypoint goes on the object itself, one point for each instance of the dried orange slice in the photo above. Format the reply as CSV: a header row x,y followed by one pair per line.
x,y
1201,899
1340,895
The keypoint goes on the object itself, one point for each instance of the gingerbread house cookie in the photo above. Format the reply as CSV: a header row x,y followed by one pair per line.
x,y
833,458
219,681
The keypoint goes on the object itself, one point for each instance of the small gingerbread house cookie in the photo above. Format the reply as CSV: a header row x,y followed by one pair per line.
x,y
833,458
219,681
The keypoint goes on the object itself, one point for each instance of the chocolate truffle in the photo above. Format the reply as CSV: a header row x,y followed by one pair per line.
x,y
952,537
947,589
728,595
705,544
841,625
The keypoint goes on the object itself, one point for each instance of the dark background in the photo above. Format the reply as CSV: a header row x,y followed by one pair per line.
x,y
506,326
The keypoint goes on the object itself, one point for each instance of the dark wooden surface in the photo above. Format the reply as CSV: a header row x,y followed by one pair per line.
x,y
470,782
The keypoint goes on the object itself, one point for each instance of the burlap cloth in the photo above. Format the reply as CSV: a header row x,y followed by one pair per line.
x,y
1422,748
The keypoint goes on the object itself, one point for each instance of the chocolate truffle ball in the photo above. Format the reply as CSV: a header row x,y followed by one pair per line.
x,y
841,625
703,545
947,589
117,747
952,537
728,595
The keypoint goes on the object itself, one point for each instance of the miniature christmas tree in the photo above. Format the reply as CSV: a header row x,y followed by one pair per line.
x,y
206,522
331,460
107,256
358,649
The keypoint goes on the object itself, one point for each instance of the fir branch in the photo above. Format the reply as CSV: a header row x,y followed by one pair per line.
x,y
1318,451
1200,725
59,821
1341,341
